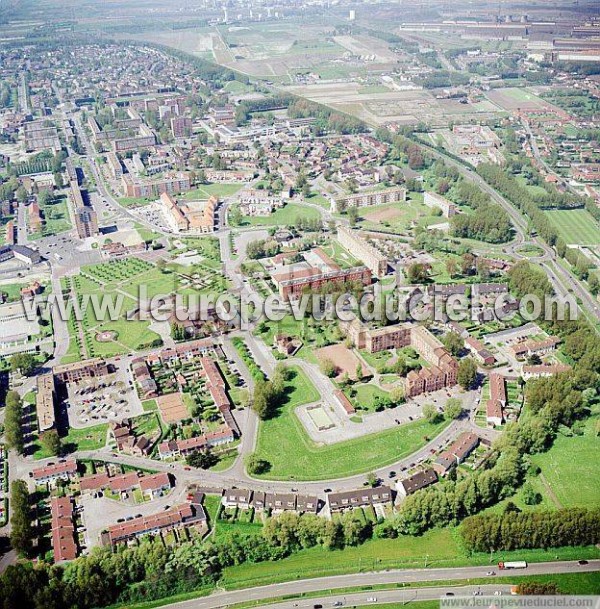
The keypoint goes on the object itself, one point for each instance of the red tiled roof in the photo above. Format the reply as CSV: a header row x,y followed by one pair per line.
x,y
155,482
67,467
94,482
124,482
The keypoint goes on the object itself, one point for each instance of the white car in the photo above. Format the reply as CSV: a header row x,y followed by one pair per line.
x,y
372,599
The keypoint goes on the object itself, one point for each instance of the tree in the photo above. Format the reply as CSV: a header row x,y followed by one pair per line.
x,y
372,479
21,195
51,443
418,272
352,212
327,367
397,395
530,496
256,466
267,396
431,414
454,343
202,459
451,267
351,185
24,363
467,373
453,408
359,371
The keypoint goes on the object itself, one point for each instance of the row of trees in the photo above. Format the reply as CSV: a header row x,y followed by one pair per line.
x,y
21,530
514,530
13,419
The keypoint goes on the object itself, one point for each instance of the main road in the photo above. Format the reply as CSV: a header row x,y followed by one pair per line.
x,y
557,274
393,577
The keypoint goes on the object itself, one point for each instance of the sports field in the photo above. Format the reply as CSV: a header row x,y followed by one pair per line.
x,y
320,418
575,226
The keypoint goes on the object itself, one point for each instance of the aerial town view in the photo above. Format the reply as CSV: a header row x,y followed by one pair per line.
x,y
299,304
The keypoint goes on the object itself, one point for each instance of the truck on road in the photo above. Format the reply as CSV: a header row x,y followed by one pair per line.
x,y
517,564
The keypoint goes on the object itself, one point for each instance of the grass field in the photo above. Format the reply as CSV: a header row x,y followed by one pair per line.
x,y
91,438
293,456
286,216
570,467
57,220
575,226
218,189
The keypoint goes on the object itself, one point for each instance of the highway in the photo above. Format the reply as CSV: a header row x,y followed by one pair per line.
x,y
399,576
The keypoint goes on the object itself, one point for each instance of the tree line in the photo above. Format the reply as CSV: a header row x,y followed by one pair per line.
x,y
515,530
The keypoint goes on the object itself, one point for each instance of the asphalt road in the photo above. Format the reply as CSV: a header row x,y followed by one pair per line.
x,y
408,576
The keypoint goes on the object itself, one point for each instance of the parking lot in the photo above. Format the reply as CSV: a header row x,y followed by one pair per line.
x,y
100,400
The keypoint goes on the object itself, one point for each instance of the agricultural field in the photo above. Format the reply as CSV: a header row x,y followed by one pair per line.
x,y
282,441
513,98
575,226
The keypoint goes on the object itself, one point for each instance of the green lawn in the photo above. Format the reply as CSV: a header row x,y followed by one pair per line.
x,y
570,467
365,396
575,226
116,282
133,201
219,190
57,220
286,216
90,438
150,406
283,442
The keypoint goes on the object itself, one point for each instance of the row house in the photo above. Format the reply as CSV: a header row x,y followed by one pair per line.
x,y
365,497
422,479
183,447
527,348
544,370
64,544
178,517
494,408
275,503
456,453
50,474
